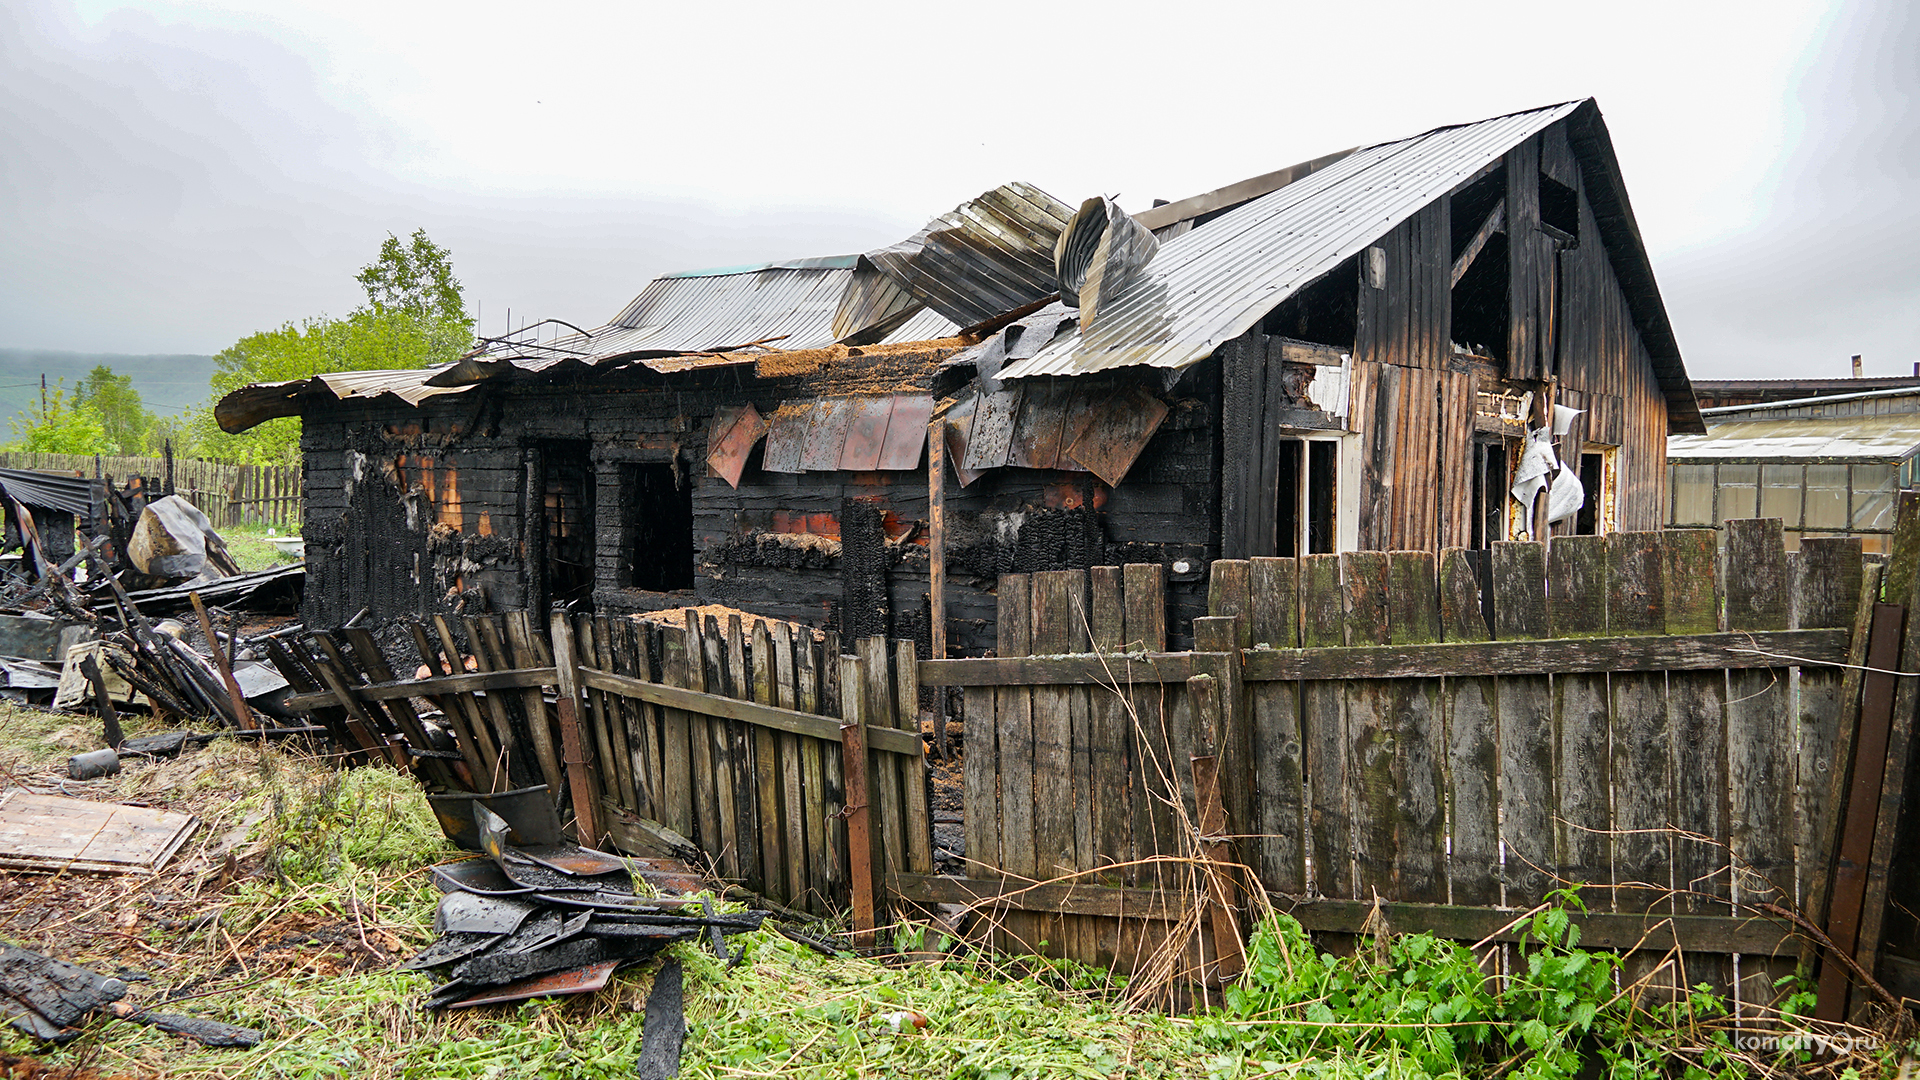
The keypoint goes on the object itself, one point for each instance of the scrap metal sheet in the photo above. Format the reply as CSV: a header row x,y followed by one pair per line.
x,y
736,428
907,432
1083,408
959,427
1118,433
827,434
1036,430
786,436
866,434
991,441
586,980
48,832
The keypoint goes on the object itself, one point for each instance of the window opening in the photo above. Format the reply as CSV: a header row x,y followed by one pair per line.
x,y
1490,496
1586,520
1480,299
1559,207
567,496
659,529
1308,486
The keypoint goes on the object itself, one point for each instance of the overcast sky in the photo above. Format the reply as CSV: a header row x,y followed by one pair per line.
x,y
175,176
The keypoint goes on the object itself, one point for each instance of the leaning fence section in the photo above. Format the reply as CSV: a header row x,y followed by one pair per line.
x,y
793,770
1439,742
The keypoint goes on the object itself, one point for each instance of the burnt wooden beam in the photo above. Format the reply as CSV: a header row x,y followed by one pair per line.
x,y
1698,652
751,712
1496,221
1601,930
454,684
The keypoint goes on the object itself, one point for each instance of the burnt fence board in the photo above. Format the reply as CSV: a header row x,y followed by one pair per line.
x,y
1624,712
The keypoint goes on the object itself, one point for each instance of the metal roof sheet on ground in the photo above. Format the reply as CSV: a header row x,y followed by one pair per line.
x,y
1213,284
50,490
1854,438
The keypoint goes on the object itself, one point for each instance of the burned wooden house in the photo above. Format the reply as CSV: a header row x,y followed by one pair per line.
x,y
1349,353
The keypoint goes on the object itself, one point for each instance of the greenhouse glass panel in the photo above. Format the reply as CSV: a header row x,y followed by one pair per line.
x,y
1827,497
1873,497
1735,497
1692,493
1780,490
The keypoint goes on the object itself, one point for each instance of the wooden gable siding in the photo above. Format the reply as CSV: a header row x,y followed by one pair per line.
x,y
1603,366
1412,401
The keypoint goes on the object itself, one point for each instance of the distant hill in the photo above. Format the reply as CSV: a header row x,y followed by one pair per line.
x,y
168,383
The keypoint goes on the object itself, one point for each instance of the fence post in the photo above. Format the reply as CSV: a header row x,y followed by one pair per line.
x,y
853,764
566,670
1215,851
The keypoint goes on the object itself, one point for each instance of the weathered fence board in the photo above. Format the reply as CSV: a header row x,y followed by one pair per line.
x,y
1587,719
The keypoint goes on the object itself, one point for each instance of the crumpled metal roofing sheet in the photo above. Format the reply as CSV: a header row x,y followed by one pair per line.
x,y
983,258
1852,438
1211,285
785,305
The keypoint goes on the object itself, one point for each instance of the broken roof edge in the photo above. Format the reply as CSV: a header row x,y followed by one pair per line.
x,y
255,404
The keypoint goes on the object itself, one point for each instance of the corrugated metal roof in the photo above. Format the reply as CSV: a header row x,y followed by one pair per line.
x,y
250,405
1855,438
1803,404
1211,285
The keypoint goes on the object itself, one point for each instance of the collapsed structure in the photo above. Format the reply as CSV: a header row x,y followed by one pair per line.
x,y
1346,354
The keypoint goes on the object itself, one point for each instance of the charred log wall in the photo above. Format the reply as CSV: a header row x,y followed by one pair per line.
x,y
415,511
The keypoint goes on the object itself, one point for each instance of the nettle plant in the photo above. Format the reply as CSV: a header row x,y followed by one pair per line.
x,y
1429,1004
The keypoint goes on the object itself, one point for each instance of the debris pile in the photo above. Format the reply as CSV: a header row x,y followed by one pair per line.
x,y
91,630
50,1000
533,920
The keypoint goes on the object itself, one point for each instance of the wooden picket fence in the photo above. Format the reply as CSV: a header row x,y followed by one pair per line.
x,y
1441,743
799,772
228,494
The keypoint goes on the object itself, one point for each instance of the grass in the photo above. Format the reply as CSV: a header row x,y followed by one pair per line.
x,y
315,881
318,880
250,550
